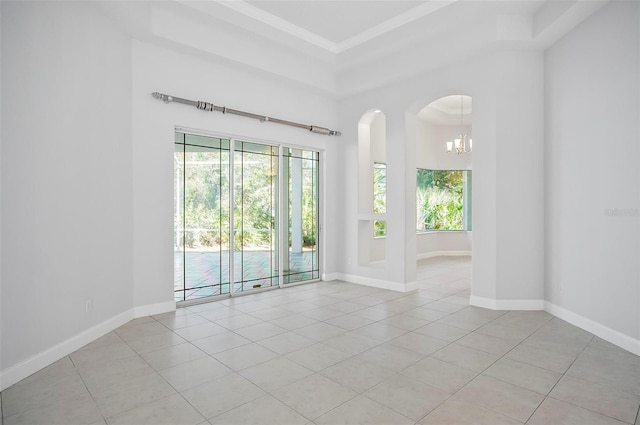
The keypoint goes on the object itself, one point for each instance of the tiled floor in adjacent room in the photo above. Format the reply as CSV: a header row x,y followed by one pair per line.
x,y
339,353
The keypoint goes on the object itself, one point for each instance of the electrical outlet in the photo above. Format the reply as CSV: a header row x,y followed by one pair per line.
x,y
88,306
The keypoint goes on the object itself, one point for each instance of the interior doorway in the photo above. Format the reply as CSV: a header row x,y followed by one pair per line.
x,y
444,181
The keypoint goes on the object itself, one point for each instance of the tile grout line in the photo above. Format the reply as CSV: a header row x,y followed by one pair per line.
x,y
358,393
548,395
481,373
478,373
298,380
398,373
75,368
494,362
204,383
158,374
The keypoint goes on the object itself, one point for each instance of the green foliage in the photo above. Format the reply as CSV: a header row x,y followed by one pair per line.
x,y
379,228
379,188
439,200
309,202
204,189
379,197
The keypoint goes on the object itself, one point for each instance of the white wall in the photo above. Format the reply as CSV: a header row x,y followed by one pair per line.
x,y
519,178
431,148
592,155
66,178
378,136
443,243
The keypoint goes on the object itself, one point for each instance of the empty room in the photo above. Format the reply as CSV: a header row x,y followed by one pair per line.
x,y
320,212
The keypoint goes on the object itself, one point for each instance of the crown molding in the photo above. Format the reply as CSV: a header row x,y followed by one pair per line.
x,y
287,27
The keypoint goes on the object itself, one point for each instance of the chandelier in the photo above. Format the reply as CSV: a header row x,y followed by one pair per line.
x,y
460,143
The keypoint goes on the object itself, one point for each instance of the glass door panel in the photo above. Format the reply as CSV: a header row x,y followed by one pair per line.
x,y
300,175
255,216
201,219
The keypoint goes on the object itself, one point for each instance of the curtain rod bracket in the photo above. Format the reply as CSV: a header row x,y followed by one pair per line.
x,y
206,106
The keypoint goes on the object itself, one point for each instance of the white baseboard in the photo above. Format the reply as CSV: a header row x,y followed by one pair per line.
x,y
610,335
432,254
483,302
330,276
376,283
31,365
151,309
494,304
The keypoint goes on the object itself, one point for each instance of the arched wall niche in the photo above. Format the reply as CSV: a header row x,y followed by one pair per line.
x,y
372,139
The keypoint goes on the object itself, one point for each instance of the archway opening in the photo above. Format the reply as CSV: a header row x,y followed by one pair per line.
x,y
444,185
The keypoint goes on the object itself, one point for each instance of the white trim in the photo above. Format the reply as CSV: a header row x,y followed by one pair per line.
x,y
152,309
376,283
241,138
432,254
493,304
327,277
232,220
282,233
611,335
280,24
621,340
483,302
331,46
32,364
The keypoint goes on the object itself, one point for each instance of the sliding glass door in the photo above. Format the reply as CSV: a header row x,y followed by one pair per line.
x,y
255,216
235,203
300,174
201,221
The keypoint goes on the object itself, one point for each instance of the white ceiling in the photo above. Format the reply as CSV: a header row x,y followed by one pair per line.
x,y
336,21
338,25
344,47
448,110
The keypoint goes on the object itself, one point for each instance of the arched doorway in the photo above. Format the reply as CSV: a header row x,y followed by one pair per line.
x,y
444,185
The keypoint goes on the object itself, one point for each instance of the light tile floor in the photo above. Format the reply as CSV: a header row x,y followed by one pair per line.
x,y
338,353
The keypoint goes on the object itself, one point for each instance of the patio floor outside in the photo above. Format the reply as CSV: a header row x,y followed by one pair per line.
x,y
206,273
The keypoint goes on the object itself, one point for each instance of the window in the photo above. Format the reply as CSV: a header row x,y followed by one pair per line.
x,y
443,200
379,197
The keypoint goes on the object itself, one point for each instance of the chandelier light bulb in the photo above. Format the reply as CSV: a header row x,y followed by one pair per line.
x,y
460,143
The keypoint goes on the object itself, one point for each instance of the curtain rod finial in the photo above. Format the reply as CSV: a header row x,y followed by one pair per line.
x,y
163,97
